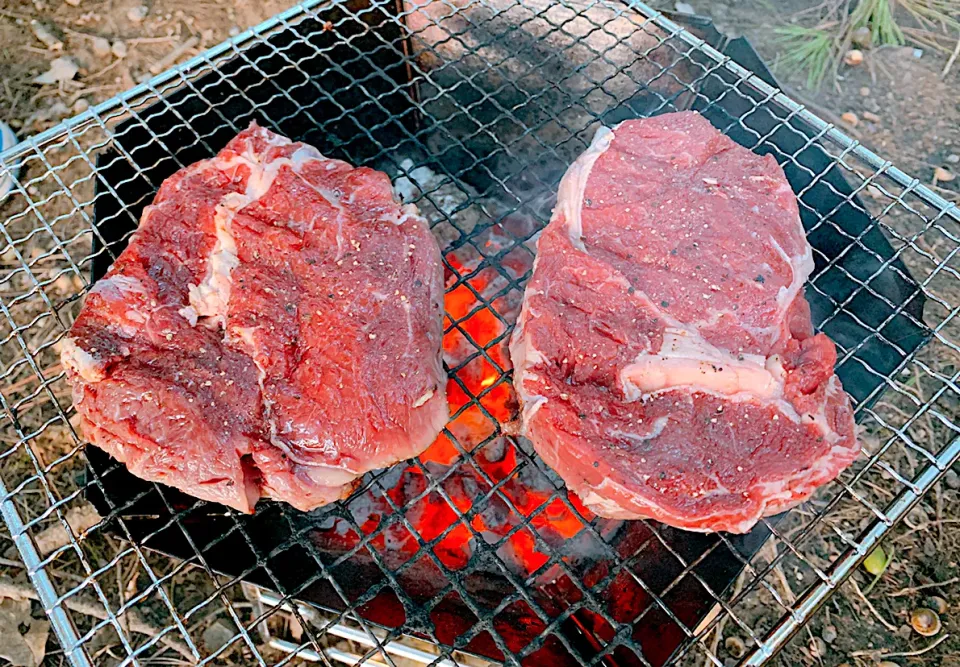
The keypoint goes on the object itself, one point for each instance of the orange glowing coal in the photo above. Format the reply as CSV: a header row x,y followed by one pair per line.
x,y
481,399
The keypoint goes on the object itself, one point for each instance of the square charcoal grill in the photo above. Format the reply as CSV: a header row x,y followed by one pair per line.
x,y
474,552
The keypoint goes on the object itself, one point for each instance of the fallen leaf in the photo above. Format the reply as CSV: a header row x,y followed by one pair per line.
x,y
48,33
101,46
21,649
61,70
137,14
55,111
943,175
296,630
80,519
850,119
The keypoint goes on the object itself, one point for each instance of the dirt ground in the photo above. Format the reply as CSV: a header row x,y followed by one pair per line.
x,y
905,109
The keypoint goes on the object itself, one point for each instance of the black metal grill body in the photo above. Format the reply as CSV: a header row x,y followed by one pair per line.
x,y
476,547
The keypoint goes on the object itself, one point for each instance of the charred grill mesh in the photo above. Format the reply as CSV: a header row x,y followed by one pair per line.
x,y
476,108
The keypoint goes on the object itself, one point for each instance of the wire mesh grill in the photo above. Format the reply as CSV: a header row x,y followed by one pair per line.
x,y
475,108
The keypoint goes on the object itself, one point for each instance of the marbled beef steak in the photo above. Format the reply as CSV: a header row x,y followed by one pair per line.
x,y
665,356
272,330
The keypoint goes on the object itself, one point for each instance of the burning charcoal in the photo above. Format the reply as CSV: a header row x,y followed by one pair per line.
x,y
391,477
471,486
367,508
395,537
494,451
536,481
413,485
495,515
327,522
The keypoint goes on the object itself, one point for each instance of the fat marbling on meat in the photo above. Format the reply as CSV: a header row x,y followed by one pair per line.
x,y
272,330
664,356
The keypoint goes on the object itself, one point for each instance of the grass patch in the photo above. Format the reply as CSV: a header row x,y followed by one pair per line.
x,y
810,50
877,15
816,49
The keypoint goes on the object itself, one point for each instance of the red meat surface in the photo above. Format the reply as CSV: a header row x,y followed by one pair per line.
x,y
272,330
664,355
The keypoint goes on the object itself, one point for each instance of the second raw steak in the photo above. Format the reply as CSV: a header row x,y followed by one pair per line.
x,y
664,356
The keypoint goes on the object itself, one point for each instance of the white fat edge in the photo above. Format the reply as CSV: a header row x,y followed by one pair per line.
x,y
525,357
331,475
410,212
327,477
820,417
802,267
595,497
190,314
211,296
118,287
658,512
271,138
334,475
80,361
716,370
530,401
423,399
574,184
778,491
602,506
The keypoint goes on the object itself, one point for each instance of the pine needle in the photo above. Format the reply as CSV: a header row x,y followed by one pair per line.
x,y
878,16
817,50
810,50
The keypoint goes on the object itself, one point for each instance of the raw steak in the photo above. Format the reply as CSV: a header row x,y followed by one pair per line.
x,y
272,330
665,356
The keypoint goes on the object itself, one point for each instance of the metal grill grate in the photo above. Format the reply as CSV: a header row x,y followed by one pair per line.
x,y
476,107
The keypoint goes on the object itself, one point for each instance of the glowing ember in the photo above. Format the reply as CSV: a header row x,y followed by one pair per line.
x,y
449,505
